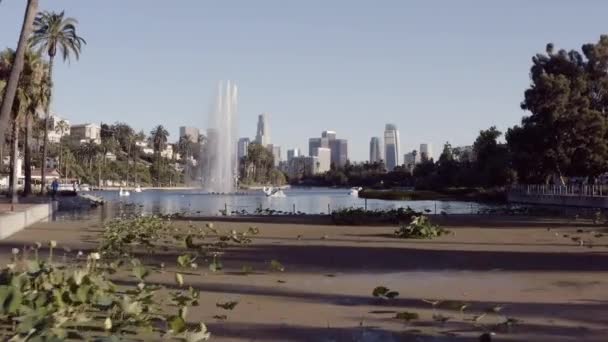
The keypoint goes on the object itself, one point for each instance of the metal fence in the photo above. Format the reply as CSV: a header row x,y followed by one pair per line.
x,y
580,190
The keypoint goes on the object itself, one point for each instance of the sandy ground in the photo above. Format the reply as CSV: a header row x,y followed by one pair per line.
x,y
555,288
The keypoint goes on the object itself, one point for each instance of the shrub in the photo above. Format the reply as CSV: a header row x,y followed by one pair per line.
x,y
420,228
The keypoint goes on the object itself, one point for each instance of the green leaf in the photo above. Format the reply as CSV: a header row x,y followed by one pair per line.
x,y
184,260
177,324
140,272
380,291
276,266
179,279
201,335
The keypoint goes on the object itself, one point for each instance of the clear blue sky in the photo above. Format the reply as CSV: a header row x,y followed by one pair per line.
x,y
440,70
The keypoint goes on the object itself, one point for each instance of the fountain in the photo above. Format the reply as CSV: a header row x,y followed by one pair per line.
x,y
219,161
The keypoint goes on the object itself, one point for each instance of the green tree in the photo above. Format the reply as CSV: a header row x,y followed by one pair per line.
x,y
492,161
11,84
566,132
159,136
53,33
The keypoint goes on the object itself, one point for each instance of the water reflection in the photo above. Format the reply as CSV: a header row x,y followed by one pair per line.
x,y
305,200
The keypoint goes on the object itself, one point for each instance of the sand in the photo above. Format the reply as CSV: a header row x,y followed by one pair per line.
x,y
554,287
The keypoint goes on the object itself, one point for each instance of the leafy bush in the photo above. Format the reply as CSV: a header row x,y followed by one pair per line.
x,y
420,228
358,216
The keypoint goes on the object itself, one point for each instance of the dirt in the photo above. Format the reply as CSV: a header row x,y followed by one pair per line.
x,y
552,286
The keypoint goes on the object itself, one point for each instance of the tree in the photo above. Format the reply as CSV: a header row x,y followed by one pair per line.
x,y
159,136
53,33
491,159
566,131
17,67
30,96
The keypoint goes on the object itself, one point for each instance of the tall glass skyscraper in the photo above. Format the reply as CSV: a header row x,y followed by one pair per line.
x,y
375,155
391,146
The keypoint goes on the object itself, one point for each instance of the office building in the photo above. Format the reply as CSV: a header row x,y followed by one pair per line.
x,y
243,148
302,166
411,159
262,136
293,153
192,133
276,153
324,159
86,132
426,152
338,147
391,146
375,154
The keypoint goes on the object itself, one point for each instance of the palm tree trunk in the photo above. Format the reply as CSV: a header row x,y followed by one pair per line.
x,y
27,186
46,127
13,80
15,175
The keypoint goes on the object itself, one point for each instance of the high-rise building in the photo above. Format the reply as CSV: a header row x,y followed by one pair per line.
x,y
262,136
391,146
276,153
411,159
324,162
293,153
191,132
242,147
426,152
375,154
338,147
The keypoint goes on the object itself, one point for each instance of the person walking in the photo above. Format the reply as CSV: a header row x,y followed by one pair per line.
x,y
54,188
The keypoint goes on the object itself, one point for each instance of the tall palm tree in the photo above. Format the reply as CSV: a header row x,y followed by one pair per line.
x,y
53,32
29,97
159,137
61,127
13,80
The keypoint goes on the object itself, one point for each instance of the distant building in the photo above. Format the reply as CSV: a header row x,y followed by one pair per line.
x,y
242,147
86,132
324,155
58,128
292,154
391,146
276,153
411,159
302,166
338,147
375,154
262,136
463,153
192,132
426,152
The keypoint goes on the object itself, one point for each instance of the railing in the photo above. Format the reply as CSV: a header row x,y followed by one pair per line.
x,y
581,190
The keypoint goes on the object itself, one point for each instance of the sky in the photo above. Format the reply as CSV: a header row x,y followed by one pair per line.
x,y
440,70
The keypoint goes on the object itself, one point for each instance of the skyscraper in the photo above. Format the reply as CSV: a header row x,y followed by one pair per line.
x,y
262,136
391,146
338,147
426,152
375,155
293,153
276,153
191,132
242,148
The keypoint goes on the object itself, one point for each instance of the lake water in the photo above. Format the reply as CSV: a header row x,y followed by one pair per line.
x,y
305,200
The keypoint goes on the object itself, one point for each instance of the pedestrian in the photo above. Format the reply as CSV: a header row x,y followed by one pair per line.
x,y
54,188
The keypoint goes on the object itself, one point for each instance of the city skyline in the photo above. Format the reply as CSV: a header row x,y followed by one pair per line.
x,y
288,68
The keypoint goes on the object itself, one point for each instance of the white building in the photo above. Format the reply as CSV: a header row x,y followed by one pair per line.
x,y
242,148
391,146
303,166
262,136
86,132
324,159
426,151
58,128
276,153
192,133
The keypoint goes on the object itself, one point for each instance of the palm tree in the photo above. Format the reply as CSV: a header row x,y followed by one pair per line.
x,y
17,67
61,127
159,137
53,33
30,95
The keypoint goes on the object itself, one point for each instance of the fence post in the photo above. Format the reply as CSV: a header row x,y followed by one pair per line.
x,y
294,208
328,209
435,207
366,204
226,208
